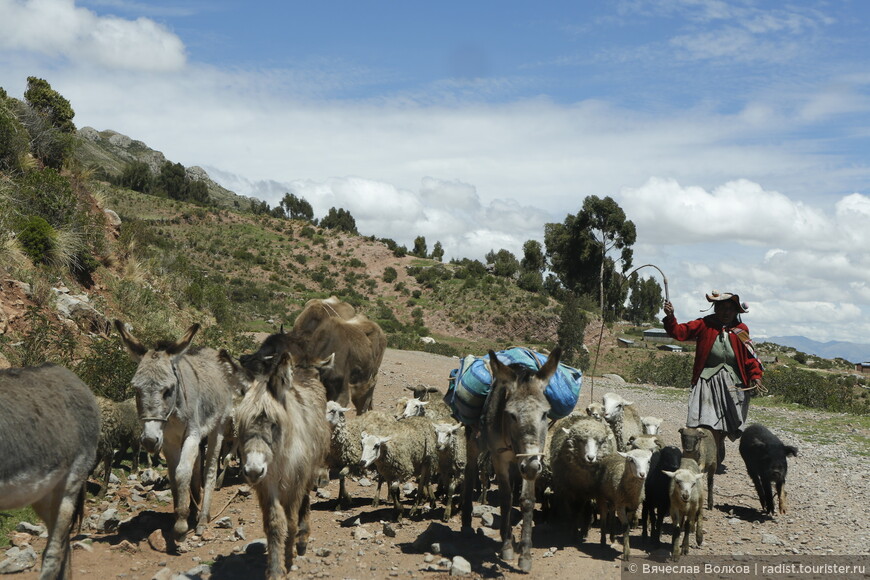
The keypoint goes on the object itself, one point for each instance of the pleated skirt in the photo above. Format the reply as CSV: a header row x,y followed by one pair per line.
x,y
719,404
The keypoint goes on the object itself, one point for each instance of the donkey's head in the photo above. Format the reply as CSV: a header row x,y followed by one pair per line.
x,y
264,361
156,382
524,419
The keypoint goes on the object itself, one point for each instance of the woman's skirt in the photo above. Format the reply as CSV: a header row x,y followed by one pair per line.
x,y
719,404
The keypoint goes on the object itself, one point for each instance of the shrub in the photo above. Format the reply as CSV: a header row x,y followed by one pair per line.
x,y
38,239
818,390
108,369
672,370
390,274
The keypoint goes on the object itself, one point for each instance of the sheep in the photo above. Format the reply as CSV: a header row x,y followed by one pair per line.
x,y
620,491
435,411
646,441
451,461
577,445
687,501
651,425
657,494
623,418
765,458
345,449
700,445
596,411
405,450
422,392
119,431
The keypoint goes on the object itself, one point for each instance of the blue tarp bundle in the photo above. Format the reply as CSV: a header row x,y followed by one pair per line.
x,y
471,382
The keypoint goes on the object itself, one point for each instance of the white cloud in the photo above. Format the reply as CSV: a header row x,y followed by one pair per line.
x,y
57,28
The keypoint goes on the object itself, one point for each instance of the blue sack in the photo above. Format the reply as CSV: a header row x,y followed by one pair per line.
x,y
469,384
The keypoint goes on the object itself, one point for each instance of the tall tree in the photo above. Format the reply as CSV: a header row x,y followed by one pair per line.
x,y
50,103
438,251
572,329
504,263
644,300
339,219
419,247
297,208
533,257
607,224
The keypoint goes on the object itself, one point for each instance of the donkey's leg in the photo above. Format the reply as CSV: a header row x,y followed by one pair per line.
x,y
471,474
344,501
505,496
215,441
183,474
527,502
275,522
57,510
304,525
291,513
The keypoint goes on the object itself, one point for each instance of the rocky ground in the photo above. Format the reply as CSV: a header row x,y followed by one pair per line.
x,y
829,499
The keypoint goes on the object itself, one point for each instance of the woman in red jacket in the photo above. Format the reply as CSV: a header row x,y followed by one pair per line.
x,y
725,370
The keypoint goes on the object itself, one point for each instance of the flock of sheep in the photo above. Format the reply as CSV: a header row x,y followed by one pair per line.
x,y
605,464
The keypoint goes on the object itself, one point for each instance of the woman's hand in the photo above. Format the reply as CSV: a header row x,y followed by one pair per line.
x,y
668,308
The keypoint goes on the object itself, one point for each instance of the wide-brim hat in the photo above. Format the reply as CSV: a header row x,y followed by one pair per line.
x,y
716,296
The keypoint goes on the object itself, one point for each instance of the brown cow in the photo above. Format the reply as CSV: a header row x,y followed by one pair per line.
x,y
324,328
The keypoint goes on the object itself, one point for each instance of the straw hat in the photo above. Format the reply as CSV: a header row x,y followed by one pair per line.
x,y
716,296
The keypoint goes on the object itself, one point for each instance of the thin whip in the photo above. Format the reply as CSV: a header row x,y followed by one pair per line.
x,y
601,334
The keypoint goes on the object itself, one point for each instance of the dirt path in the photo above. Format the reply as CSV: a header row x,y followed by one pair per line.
x,y
828,487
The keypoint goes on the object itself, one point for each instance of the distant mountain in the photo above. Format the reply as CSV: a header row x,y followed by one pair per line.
x,y
851,351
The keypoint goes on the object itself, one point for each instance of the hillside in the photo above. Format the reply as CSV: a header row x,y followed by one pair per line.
x,y
850,351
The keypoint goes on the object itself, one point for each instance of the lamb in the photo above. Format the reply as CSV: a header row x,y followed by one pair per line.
x,y
451,461
651,425
765,458
423,392
620,491
596,411
404,451
435,411
623,418
700,445
577,445
687,500
646,441
119,431
657,491
345,450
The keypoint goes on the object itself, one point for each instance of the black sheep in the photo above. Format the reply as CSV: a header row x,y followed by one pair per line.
x,y
657,499
765,458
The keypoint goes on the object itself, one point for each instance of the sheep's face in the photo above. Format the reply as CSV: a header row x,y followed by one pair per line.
x,y
651,425
683,483
373,447
691,438
613,406
596,411
335,413
445,434
413,408
637,460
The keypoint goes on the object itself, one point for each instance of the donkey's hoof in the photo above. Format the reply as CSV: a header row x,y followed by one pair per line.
x,y
507,554
301,548
525,563
180,530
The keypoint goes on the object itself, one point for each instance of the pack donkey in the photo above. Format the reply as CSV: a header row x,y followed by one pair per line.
x,y
323,328
183,397
513,429
284,439
49,427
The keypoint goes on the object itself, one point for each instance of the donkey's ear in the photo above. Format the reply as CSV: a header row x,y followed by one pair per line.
x,y
550,367
133,346
235,371
182,345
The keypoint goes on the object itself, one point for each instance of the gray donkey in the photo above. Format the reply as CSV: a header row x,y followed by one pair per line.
x,y
49,426
513,429
183,397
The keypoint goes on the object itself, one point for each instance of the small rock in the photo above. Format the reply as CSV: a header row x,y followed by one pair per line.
x,y
487,519
428,558
224,523
157,541
364,482
323,552
323,493
360,533
389,530
239,533
125,546
435,548
20,538
108,521
32,529
18,559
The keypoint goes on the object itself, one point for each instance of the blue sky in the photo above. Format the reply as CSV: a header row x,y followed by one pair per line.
x,y
734,134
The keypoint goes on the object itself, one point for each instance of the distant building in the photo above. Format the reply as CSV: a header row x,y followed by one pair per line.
x,y
768,360
863,367
656,335
671,347
624,342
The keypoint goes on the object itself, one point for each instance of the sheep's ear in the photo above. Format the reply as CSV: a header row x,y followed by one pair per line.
x,y
698,476
670,474
681,429
623,454
624,402
423,403
566,430
363,435
790,450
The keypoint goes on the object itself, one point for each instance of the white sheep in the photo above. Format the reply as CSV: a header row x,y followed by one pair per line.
x,y
620,491
451,461
623,418
435,411
651,425
401,452
345,449
646,441
700,445
596,411
687,501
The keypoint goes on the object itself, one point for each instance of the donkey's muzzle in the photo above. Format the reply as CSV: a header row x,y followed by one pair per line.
x,y
151,443
530,468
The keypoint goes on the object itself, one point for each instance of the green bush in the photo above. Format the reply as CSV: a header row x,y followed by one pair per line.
x,y
108,369
390,274
38,239
819,390
672,370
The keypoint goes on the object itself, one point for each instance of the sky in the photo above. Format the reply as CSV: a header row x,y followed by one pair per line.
x,y
734,134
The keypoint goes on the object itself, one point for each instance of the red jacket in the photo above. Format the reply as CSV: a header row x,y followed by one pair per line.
x,y
705,331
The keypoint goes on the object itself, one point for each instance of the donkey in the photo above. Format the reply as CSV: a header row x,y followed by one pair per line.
x,y
513,429
183,397
49,427
285,437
